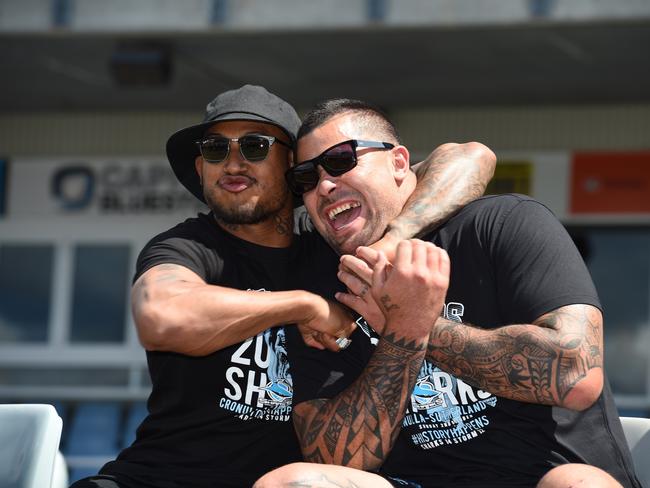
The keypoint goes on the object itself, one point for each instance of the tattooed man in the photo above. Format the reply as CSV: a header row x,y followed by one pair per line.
x,y
210,295
508,386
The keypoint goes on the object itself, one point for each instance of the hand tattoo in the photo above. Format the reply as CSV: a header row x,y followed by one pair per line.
x,y
386,302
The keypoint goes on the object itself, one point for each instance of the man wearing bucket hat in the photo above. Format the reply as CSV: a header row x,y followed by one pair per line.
x,y
210,297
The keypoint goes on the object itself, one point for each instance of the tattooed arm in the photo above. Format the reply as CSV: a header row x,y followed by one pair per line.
x,y
175,310
357,428
556,360
449,178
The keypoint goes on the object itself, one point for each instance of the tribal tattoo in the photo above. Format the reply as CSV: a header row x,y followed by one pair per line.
x,y
358,427
538,364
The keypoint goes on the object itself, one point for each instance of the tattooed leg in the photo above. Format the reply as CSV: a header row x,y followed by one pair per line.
x,y
320,476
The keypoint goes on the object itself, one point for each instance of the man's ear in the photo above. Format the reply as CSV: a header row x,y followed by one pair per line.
x,y
198,166
401,162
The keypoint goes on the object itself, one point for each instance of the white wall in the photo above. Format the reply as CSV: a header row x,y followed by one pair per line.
x,y
625,127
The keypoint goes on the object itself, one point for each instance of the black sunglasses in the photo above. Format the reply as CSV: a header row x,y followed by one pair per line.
x,y
253,147
336,160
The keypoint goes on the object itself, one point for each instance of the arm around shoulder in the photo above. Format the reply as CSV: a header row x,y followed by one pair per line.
x,y
448,179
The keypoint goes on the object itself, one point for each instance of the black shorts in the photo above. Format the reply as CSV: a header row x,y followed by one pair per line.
x,y
111,481
98,481
400,483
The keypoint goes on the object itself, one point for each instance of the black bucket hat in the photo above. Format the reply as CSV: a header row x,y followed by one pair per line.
x,y
249,102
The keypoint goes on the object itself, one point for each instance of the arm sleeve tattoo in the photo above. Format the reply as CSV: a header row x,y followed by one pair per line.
x,y
537,363
358,427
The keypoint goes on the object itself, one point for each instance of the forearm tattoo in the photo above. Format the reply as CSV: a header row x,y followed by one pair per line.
x,y
451,180
538,364
358,427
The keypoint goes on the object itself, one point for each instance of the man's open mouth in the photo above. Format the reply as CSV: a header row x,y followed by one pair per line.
x,y
341,215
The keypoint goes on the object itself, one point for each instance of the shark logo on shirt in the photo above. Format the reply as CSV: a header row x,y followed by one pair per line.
x,y
443,409
279,387
258,381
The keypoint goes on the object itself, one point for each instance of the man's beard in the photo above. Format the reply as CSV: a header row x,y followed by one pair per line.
x,y
246,214
347,247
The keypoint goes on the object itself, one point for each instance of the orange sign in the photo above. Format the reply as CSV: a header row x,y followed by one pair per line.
x,y
610,183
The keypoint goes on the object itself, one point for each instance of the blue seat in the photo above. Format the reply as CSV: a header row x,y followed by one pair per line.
x,y
137,413
94,430
633,412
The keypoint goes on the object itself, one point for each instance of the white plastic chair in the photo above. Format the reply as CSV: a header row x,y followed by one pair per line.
x,y
60,478
29,446
637,434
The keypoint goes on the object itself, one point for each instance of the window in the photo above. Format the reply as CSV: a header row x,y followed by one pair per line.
x,y
25,286
54,376
99,297
619,262
3,186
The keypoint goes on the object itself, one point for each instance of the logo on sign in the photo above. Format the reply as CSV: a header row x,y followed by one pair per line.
x,y
73,187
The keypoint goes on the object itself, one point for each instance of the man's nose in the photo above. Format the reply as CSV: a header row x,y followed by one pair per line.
x,y
234,162
326,182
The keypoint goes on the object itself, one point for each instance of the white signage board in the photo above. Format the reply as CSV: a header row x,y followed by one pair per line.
x,y
88,187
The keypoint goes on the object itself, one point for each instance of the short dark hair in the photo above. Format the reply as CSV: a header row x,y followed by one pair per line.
x,y
370,117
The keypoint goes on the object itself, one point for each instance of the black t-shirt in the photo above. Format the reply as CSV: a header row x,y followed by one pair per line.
x,y
221,419
511,261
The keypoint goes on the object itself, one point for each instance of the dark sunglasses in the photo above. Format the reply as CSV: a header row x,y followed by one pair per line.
x,y
336,160
253,147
